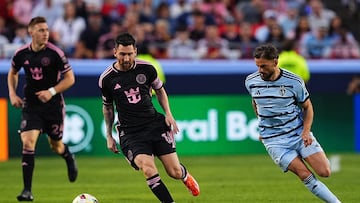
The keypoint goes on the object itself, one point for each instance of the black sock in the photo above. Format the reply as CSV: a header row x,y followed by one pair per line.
x,y
66,154
159,189
28,164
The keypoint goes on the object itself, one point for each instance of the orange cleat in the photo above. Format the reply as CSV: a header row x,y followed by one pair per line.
x,y
192,185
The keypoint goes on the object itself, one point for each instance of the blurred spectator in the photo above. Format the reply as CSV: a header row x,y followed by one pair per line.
x,y
143,40
290,60
179,7
301,31
113,10
5,30
317,44
22,36
276,36
262,32
6,13
161,38
147,11
350,12
290,20
92,5
215,47
354,85
195,18
133,6
105,49
345,45
251,10
67,29
3,46
215,8
81,8
163,13
319,15
86,46
22,10
181,47
230,32
335,26
198,26
248,41
50,9
353,8
131,21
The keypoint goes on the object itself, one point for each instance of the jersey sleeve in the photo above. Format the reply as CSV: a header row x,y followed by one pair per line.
x,y
156,82
62,61
302,93
106,95
65,65
15,62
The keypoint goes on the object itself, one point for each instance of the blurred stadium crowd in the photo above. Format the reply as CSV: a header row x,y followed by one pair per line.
x,y
187,29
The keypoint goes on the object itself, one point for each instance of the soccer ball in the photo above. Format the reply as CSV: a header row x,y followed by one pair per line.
x,y
85,198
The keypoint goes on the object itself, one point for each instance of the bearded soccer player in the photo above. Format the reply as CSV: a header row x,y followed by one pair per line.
x,y
47,74
143,132
282,104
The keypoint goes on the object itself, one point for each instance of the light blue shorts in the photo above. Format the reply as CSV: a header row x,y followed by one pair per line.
x,y
284,150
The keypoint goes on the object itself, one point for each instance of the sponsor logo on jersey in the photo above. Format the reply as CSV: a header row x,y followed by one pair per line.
x,y
141,79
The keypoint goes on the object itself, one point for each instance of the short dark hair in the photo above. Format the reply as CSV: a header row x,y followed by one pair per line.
x,y
124,39
37,20
266,51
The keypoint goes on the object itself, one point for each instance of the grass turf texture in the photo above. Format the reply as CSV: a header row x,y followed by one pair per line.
x,y
243,178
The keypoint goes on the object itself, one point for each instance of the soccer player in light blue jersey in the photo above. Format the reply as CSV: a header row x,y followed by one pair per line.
x,y
285,113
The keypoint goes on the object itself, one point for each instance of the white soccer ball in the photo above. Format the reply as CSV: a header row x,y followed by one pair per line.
x,y
85,198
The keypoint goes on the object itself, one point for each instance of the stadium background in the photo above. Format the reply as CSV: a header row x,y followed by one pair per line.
x,y
210,103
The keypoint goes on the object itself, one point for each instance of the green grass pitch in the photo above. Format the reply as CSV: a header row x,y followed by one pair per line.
x,y
223,179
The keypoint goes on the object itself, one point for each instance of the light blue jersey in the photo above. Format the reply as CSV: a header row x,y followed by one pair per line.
x,y
280,116
277,104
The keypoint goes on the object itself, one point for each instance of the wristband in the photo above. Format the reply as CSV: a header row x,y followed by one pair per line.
x,y
52,91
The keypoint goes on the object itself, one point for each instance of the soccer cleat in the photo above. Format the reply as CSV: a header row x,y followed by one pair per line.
x,y
192,185
25,195
72,168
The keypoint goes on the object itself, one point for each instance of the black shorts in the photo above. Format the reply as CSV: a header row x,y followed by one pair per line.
x,y
47,120
153,138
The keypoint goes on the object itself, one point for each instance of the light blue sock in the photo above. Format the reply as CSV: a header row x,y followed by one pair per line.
x,y
320,190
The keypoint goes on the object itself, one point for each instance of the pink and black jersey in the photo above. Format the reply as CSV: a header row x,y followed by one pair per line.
x,y
43,69
131,92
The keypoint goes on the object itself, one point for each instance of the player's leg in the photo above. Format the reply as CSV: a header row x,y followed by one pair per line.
x,y
54,124
29,139
314,155
63,150
178,171
315,186
146,164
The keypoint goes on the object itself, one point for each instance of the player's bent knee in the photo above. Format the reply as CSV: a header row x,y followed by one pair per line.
x,y
324,172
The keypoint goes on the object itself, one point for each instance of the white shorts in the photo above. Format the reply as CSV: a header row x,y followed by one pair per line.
x,y
284,151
